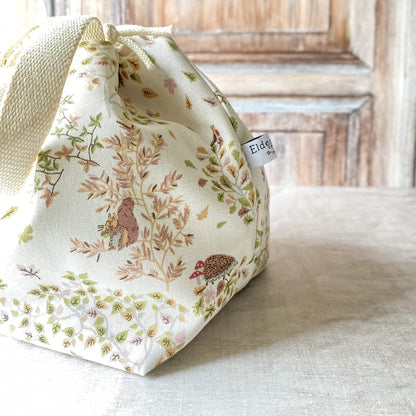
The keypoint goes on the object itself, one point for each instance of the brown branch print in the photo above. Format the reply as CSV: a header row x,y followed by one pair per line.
x,y
162,216
80,144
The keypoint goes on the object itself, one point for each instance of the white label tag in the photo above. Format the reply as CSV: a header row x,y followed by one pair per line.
x,y
259,151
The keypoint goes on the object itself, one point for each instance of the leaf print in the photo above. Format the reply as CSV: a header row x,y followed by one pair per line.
x,y
69,332
171,303
232,169
9,213
228,177
133,61
159,361
198,308
166,318
90,341
48,196
188,102
180,337
94,249
202,182
87,61
248,219
189,164
203,214
43,339
152,331
221,224
233,122
243,211
105,349
64,153
85,141
121,336
209,295
173,45
130,333
165,216
156,295
30,271
165,342
135,77
170,84
190,75
139,306
212,102
149,93
211,298
117,307
26,235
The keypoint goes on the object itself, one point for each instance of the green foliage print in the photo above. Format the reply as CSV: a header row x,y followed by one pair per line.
x,y
128,193
229,178
96,59
261,246
11,211
26,235
78,143
215,293
76,316
129,69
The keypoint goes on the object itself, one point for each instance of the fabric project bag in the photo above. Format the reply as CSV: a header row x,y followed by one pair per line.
x,y
129,214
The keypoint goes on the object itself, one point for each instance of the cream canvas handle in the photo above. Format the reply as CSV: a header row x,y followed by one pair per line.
x,y
30,98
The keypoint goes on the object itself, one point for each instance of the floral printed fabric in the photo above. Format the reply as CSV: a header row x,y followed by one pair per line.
x,y
142,218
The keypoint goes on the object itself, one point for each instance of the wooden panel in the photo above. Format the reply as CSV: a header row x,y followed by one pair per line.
x,y
298,161
265,16
362,22
292,84
305,26
317,148
394,139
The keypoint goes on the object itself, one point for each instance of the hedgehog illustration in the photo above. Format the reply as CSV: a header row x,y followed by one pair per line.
x,y
216,266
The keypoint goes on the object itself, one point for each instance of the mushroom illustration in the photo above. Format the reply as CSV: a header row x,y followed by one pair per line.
x,y
216,266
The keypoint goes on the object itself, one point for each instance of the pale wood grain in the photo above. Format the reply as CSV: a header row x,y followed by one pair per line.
x,y
358,151
315,146
362,24
213,16
298,159
252,27
293,84
393,144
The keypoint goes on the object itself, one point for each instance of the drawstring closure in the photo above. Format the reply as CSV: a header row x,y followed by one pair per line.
x,y
121,34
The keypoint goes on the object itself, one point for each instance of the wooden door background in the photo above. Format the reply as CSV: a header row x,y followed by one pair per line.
x,y
332,81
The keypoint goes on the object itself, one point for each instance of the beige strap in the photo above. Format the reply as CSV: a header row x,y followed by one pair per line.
x,y
30,100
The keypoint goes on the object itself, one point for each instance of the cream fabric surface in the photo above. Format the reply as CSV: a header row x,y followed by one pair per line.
x,y
120,248
327,329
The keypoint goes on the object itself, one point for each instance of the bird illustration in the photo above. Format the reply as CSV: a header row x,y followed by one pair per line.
x,y
216,266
